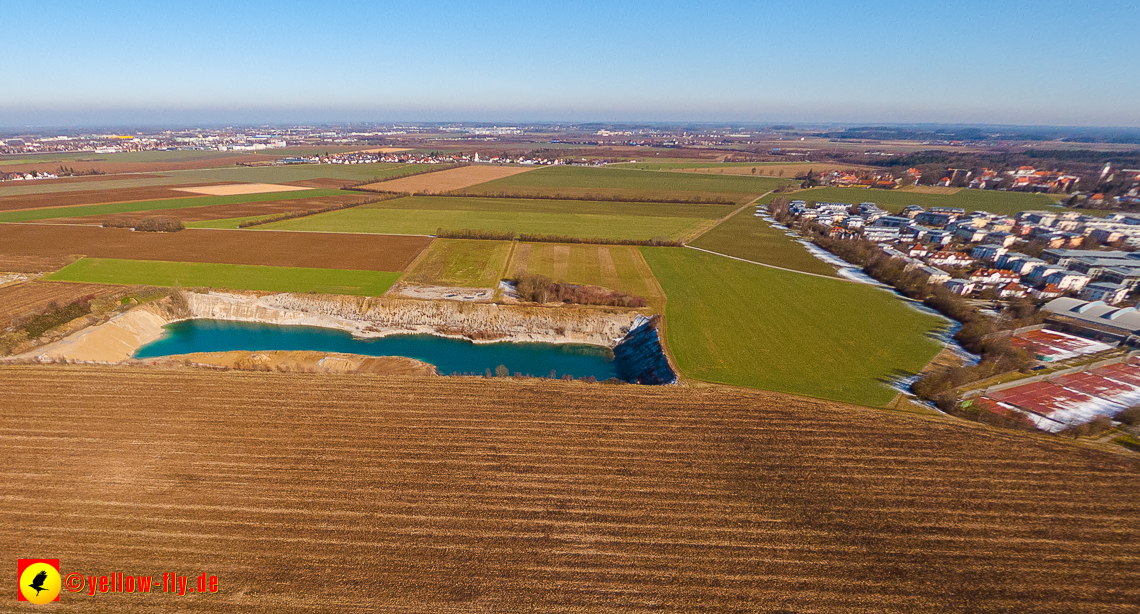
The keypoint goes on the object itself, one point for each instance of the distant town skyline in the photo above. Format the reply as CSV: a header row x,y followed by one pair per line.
x,y
1018,63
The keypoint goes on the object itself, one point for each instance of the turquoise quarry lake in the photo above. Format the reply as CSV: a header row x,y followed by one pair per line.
x,y
450,356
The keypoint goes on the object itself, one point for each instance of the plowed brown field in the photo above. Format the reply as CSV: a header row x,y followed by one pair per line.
x,y
31,297
340,493
87,197
287,249
222,212
446,181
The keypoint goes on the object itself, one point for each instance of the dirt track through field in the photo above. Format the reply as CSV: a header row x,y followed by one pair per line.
x,y
446,181
287,249
328,492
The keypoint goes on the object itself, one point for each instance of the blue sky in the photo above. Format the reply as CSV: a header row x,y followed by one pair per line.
x,y
969,62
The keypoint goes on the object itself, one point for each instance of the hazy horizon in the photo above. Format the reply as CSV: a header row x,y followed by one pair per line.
x,y
1016,63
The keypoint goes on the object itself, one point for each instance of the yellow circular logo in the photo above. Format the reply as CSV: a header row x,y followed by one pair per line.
x,y
40,583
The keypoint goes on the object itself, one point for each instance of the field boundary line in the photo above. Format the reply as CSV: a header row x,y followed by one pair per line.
x,y
506,270
725,218
779,268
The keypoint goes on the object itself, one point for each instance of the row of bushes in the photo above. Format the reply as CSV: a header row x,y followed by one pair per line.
x,y
541,289
609,198
497,235
146,224
472,233
307,212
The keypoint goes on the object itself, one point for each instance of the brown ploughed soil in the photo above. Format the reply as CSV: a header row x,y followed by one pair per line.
x,y
31,297
349,492
365,252
222,212
87,197
448,180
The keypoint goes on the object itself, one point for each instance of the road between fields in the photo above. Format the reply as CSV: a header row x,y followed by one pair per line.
x,y
725,218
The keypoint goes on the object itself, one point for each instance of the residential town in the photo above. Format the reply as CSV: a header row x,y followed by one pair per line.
x,y
1042,254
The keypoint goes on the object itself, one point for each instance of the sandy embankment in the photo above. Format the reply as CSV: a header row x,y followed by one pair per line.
x,y
303,362
117,339
112,341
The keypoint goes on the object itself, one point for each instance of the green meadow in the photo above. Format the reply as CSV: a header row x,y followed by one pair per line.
x,y
227,276
579,182
746,236
736,323
465,263
426,215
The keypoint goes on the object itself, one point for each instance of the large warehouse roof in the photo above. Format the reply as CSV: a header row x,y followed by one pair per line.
x,y
1097,312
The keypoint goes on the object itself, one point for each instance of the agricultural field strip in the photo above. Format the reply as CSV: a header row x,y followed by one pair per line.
x,y
28,215
427,222
228,276
305,250
725,318
772,266
574,206
1018,568
605,178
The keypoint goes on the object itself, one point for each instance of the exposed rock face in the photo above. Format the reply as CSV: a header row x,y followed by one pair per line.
x,y
640,358
378,317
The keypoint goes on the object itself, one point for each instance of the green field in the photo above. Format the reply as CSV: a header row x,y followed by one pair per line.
x,y
426,215
617,267
577,181
461,262
159,205
527,205
735,323
228,276
1006,203
746,236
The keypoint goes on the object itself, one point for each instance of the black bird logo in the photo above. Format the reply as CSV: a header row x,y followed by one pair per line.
x,y
38,582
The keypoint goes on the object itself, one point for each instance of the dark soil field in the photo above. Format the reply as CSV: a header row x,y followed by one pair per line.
x,y
87,197
32,297
222,212
53,242
338,493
